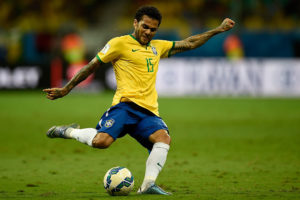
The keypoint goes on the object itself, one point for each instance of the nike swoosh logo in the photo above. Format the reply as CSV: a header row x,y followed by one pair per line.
x,y
159,165
134,50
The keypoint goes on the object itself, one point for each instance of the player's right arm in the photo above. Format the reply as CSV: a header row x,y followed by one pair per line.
x,y
91,67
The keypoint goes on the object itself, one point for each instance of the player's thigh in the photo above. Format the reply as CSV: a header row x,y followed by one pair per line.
x,y
148,126
113,122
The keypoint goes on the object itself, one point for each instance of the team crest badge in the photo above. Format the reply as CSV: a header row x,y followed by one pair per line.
x,y
154,50
109,123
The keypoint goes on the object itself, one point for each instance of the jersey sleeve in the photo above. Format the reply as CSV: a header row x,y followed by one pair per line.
x,y
110,51
165,47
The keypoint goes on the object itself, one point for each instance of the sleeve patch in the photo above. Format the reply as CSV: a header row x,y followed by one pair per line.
x,y
105,49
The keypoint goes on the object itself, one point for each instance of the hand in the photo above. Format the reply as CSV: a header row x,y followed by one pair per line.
x,y
226,25
55,93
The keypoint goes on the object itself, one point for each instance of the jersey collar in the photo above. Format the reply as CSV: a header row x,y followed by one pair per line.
x,y
147,45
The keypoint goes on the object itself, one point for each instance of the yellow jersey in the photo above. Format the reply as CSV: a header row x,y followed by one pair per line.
x,y
135,68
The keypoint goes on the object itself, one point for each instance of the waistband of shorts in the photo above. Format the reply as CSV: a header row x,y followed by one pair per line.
x,y
135,106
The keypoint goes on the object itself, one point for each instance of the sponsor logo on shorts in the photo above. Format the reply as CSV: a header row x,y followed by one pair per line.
x,y
109,123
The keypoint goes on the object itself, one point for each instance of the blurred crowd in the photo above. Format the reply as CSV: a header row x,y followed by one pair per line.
x,y
33,31
47,16
254,15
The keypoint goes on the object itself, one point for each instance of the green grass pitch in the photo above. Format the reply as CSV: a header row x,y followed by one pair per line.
x,y
222,148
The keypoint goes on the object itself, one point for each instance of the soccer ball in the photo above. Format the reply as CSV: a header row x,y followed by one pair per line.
x,y
118,181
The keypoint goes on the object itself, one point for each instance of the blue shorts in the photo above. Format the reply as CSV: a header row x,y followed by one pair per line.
x,y
130,118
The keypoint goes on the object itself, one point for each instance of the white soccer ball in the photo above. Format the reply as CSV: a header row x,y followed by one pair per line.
x,y
118,181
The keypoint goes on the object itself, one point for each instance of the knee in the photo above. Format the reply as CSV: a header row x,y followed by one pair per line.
x,y
166,139
100,144
161,136
102,141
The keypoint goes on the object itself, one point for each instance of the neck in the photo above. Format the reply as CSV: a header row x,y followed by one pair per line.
x,y
136,38
133,34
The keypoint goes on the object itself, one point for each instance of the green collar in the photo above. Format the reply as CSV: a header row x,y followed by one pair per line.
x,y
147,45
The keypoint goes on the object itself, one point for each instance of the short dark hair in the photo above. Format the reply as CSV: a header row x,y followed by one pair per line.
x,y
150,11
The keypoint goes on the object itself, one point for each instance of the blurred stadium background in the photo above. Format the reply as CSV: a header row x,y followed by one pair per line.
x,y
222,148
43,43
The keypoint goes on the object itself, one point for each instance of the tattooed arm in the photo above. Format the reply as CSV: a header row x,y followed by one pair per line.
x,y
91,67
198,40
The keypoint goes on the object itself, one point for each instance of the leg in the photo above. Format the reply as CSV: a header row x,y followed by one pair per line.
x,y
91,137
160,136
152,133
107,131
88,136
155,162
102,140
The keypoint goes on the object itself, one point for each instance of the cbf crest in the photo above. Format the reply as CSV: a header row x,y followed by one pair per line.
x,y
109,123
154,50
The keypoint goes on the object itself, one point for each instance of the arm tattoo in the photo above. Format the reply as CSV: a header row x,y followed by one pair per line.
x,y
193,41
83,73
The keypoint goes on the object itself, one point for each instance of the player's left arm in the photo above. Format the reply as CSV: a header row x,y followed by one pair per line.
x,y
196,41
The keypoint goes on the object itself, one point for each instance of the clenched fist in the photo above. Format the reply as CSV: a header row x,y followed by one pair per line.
x,y
226,25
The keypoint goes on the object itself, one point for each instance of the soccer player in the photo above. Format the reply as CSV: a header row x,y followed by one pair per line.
x,y
134,110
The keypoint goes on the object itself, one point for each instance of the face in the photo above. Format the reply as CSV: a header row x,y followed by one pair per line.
x,y
145,29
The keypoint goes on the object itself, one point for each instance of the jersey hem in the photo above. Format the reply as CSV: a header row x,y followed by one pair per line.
x,y
153,112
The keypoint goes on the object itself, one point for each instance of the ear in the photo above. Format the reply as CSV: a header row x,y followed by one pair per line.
x,y
135,23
